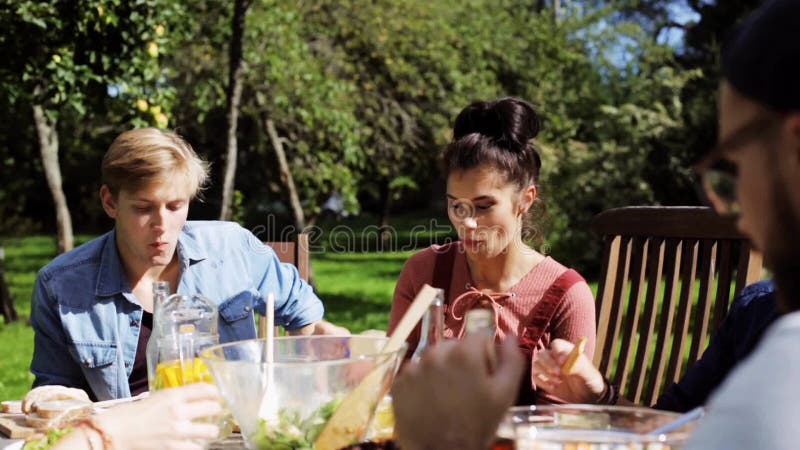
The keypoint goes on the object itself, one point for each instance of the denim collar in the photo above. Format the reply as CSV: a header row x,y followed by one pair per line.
x,y
111,278
189,250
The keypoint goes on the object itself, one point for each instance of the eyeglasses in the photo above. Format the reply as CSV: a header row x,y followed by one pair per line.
x,y
718,184
718,177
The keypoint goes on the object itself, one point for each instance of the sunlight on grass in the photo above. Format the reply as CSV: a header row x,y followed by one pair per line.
x,y
15,379
357,287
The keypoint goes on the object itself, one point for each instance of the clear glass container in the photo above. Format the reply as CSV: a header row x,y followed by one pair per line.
x,y
432,326
182,327
588,427
311,377
161,292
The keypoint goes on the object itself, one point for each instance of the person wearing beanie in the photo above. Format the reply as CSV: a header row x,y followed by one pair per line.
x,y
758,152
753,174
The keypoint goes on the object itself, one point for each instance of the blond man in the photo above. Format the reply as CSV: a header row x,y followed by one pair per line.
x,y
92,307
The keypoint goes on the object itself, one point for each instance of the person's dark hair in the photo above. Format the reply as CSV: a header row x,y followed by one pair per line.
x,y
761,58
498,134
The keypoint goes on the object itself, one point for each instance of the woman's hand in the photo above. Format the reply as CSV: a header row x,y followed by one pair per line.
x,y
584,383
164,420
451,398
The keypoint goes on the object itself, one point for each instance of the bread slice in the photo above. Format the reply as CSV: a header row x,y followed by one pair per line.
x,y
55,408
55,418
39,423
49,393
11,406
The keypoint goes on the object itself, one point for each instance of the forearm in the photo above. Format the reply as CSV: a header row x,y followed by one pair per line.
x,y
319,327
302,331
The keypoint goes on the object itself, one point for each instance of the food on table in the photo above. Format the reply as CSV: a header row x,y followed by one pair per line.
x,y
290,431
49,393
45,441
308,373
573,356
47,407
11,406
173,373
52,409
588,427
382,426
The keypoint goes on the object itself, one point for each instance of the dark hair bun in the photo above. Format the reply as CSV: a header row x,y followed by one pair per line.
x,y
510,122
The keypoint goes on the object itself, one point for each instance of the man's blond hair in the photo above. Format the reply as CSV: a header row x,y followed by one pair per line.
x,y
140,157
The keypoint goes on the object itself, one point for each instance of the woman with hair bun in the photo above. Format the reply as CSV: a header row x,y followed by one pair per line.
x,y
492,171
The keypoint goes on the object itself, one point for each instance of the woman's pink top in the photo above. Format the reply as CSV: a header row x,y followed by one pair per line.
x,y
573,318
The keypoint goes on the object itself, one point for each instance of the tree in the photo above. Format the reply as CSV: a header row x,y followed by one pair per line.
x,y
7,309
73,57
293,83
410,68
236,69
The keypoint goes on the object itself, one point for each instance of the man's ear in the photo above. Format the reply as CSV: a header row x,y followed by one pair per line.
x,y
109,201
527,199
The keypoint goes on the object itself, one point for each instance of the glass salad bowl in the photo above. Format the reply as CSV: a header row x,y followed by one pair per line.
x,y
288,403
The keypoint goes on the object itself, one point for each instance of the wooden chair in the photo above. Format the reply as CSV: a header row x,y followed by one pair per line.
x,y
653,319
292,252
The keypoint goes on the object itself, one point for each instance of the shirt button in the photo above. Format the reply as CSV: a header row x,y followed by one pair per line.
x,y
134,323
88,362
247,308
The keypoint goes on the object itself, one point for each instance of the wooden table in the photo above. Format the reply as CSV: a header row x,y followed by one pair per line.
x,y
232,442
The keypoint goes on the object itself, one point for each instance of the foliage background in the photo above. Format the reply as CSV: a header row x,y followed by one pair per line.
x,y
363,94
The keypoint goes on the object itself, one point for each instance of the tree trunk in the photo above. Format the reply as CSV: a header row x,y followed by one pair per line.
x,y
386,202
6,301
48,147
235,82
286,176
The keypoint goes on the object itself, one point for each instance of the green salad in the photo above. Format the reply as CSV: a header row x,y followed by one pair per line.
x,y
47,441
291,431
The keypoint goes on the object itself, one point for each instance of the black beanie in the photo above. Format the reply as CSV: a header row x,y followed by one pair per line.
x,y
762,59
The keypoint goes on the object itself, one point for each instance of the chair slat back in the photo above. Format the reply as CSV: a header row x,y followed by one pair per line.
x,y
294,252
666,284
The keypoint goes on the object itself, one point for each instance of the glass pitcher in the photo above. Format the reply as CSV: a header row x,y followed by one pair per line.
x,y
182,327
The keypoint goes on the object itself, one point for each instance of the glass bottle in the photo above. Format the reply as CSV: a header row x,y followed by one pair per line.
x,y
160,294
186,325
432,327
479,320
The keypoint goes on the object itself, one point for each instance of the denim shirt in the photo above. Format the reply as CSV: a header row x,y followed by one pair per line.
x,y
86,319
751,312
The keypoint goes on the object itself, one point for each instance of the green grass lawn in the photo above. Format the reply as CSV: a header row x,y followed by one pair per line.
x,y
15,379
356,288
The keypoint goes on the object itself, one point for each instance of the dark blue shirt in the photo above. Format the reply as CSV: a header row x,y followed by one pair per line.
x,y
751,312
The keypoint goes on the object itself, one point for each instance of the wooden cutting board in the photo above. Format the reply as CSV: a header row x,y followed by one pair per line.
x,y
13,426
